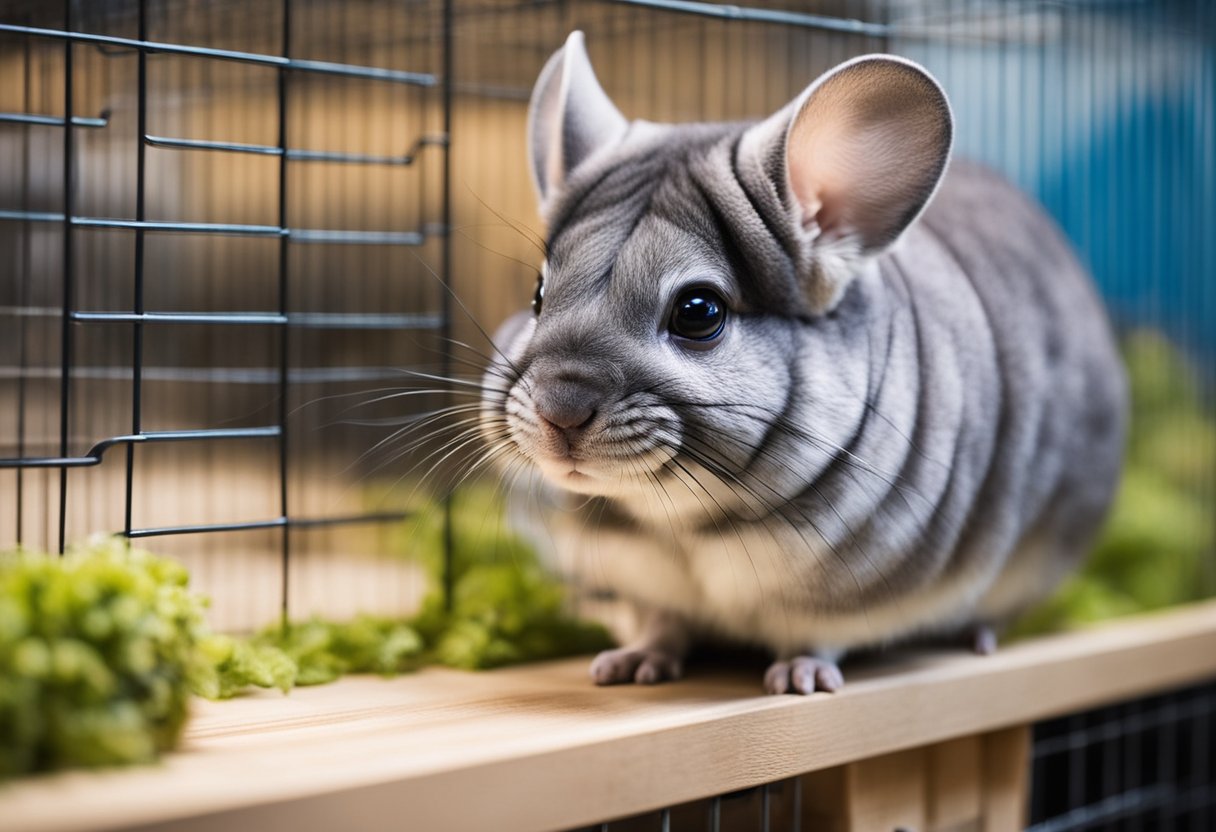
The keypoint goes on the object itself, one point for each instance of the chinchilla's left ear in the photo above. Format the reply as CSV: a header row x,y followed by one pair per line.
x,y
569,119
855,159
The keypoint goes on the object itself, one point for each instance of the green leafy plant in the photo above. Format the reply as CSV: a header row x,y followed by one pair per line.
x,y
323,651
505,608
98,654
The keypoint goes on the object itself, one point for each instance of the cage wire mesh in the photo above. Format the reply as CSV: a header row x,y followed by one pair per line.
x,y
1147,764
258,197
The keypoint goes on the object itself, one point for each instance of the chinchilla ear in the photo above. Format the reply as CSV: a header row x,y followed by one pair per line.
x,y
855,159
569,119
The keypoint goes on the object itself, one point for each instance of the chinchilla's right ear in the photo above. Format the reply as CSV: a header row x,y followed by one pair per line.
x,y
855,158
569,120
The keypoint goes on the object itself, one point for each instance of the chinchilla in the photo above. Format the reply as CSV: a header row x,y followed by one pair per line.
x,y
803,383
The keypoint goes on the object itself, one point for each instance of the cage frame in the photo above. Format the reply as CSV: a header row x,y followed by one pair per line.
x,y
283,320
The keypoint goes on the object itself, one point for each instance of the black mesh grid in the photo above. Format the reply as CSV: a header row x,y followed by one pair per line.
x,y
1143,765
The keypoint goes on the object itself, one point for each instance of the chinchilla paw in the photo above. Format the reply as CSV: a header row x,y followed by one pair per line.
x,y
631,664
983,640
803,674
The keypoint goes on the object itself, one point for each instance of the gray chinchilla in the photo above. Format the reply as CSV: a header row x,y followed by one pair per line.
x,y
812,388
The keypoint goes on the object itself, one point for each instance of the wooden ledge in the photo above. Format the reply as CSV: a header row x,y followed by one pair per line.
x,y
539,747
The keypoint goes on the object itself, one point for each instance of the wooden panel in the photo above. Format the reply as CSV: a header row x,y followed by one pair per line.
x,y
823,800
953,781
1006,779
540,748
887,792
939,788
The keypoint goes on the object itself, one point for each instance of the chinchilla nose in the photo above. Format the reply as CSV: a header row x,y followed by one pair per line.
x,y
567,403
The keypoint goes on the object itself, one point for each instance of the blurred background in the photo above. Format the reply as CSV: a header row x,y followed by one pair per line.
x,y
267,203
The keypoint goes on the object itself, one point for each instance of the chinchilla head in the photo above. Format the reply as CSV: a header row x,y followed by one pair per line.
x,y
692,269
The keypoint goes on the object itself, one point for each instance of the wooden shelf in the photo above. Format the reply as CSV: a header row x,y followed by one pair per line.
x,y
539,747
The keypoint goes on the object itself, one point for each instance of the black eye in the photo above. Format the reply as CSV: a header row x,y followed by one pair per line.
x,y
699,314
538,298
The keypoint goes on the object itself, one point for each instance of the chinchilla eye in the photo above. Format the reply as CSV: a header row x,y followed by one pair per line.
x,y
538,298
699,314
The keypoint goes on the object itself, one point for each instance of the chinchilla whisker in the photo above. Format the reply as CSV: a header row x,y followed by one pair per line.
x,y
335,396
424,422
802,433
414,443
723,514
773,507
454,446
476,384
780,512
638,472
488,457
433,487
778,422
483,367
387,421
427,479
495,251
472,318
898,483
486,364
716,517
366,475
403,425
531,236
733,521
409,393
475,404
465,426
845,456
465,429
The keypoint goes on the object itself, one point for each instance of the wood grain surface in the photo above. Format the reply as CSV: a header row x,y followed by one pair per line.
x,y
539,747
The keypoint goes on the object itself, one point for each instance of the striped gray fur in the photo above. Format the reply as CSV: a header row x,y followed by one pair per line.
x,y
904,429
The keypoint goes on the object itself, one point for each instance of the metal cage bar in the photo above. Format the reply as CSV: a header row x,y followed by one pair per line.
x,y
137,325
65,345
302,235
284,332
283,62
282,318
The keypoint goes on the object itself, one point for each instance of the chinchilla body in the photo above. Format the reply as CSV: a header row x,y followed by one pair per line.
x,y
911,417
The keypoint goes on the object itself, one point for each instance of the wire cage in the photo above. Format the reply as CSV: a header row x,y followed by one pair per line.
x,y
218,221
221,222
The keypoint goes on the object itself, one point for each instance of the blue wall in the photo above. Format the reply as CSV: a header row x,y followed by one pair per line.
x,y
1106,112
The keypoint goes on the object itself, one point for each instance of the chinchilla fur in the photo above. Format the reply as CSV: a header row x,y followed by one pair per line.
x,y
911,421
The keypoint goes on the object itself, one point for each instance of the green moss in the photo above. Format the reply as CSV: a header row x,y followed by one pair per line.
x,y
322,651
505,608
98,653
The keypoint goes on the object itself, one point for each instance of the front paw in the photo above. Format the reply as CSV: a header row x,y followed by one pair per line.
x,y
803,674
630,664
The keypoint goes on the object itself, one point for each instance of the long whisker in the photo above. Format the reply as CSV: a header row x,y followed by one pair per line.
x,y
536,240
472,318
